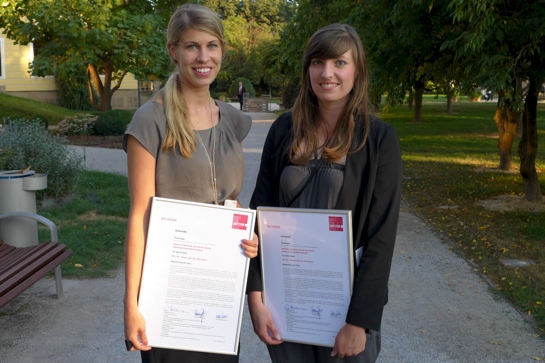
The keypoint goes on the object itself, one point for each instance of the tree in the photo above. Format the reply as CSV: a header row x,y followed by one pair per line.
x,y
508,39
107,39
250,26
403,40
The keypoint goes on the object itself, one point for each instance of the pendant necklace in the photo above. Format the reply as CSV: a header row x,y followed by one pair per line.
x,y
211,160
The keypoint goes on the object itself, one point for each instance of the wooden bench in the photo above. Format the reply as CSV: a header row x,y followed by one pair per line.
x,y
21,267
256,105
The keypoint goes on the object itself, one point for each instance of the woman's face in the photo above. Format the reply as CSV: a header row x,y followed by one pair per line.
x,y
198,58
333,79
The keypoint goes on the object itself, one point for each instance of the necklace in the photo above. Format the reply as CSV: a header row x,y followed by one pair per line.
x,y
211,160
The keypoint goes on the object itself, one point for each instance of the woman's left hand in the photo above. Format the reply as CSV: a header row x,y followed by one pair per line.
x,y
350,341
250,246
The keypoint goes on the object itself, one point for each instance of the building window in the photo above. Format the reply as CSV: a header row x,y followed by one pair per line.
x,y
2,60
35,49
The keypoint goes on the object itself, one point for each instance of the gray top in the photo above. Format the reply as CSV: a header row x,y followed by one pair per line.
x,y
189,179
321,192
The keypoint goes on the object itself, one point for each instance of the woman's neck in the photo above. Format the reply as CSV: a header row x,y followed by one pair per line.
x,y
330,115
197,99
203,111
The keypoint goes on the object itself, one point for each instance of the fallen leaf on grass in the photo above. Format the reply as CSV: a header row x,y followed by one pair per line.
x,y
78,265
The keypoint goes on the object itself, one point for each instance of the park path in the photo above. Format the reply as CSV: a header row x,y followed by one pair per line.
x,y
440,309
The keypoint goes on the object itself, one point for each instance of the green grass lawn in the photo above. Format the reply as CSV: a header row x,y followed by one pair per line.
x,y
450,161
92,222
16,106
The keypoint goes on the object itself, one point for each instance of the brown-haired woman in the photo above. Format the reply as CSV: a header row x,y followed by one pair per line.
x,y
330,153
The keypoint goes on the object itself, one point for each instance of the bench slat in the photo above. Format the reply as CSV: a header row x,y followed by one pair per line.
x,y
25,256
5,249
28,265
15,255
15,291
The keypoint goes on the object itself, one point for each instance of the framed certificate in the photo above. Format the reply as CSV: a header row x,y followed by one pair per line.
x,y
307,268
194,275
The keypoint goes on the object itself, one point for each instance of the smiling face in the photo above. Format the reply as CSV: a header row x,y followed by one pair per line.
x,y
198,58
332,79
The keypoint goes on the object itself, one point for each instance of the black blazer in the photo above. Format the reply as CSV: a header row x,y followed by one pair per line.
x,y
371,190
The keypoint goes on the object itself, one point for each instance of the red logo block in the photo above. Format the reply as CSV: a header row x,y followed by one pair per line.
x,y
335,223
240,221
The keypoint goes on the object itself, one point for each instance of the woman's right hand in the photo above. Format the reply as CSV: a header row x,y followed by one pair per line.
x,y
262,320
135,329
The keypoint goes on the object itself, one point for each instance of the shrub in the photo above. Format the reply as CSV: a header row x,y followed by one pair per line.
x,y
80,124
112,122
37,119
233,90
25,143
72,88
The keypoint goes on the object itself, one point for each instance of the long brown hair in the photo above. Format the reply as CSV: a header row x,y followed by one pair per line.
x,y
329,42
178,132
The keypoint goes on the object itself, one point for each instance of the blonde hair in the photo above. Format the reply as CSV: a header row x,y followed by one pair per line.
x,y
329,42
179,133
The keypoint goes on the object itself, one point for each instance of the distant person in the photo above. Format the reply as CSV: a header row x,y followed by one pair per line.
x,y
330,153
240,94
181,145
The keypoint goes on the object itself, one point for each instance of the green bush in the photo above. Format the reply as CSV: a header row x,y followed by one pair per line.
x,y
233,90
112,122
80,124
37,119
72,88
25,143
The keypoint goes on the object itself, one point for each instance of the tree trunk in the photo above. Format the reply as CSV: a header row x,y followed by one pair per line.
x,y
418,93
506,123
103,89
528,144
449,103
375,98
518,88
410,101
106,95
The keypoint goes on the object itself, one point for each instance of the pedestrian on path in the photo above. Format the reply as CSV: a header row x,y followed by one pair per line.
x,y
240,94
330,153
181,145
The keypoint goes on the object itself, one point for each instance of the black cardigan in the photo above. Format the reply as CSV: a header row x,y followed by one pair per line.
x,y
371,190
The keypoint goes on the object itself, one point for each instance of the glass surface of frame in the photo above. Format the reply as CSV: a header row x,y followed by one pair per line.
x,y
307,263
194,275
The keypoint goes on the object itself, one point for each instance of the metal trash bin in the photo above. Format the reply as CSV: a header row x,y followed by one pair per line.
x,y
18,194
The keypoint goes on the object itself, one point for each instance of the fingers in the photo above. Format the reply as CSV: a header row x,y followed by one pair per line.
x,y
138,341
272,336
350,341
250,247
269,340
267,331
335,352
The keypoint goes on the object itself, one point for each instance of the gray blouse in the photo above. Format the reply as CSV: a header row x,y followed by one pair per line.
x,y
321,192
189,179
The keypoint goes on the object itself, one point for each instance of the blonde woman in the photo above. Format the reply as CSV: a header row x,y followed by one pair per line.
x,y
181,145
330,153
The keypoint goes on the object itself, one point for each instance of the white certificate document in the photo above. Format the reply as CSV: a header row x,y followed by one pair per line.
x,y
307,268
194,275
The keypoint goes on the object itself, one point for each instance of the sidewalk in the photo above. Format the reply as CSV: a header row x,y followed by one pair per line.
x,y
440,310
